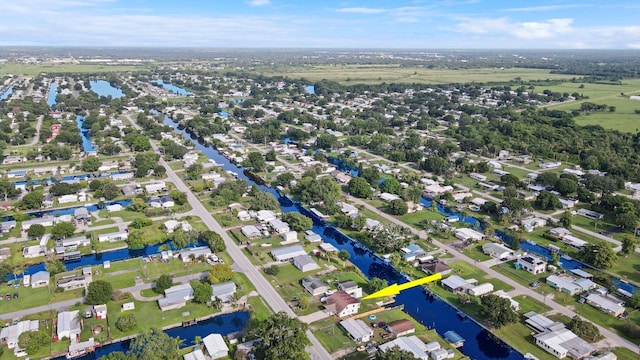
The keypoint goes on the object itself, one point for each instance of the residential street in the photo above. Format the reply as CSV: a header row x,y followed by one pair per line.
x,y
263,287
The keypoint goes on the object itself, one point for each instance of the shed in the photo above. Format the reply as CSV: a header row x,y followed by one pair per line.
x,y
357,329
215,345
401,327
128,306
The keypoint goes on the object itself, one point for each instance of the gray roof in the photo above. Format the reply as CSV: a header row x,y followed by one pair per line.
x,y
224,291
303,260
313,282
40,276
287,253
455,282
357,329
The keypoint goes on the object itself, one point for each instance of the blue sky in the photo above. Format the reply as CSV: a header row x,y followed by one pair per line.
x,y
421,24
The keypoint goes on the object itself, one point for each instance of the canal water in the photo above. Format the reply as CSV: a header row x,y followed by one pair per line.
x,y
222,324
104,88
52,94
87,145
5,94
174,89
310,89
430,311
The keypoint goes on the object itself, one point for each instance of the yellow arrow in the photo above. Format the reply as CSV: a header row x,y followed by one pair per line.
x,y
395,288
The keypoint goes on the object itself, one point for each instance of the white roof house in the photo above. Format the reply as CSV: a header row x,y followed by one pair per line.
x,y
412,344
250,231
155,187
40,279
193,254
114,236
68,325
563,342
223,291
215,345
194,355
357,330
606,303
305,263
288,253
265,215
481,289
467,234
498,251
10,334
279,226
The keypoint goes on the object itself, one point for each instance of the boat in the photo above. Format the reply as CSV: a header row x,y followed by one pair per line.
x,y
453,338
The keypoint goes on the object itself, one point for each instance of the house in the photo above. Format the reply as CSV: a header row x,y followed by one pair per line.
x,y
357,330
129,190
388,197
114,236
514,304
467,234
606,303
348,209
176,297
289,237
312,237
173,225
372,225
250,231
166,202
562,343
34,251
68,325
10,334
351,288
532,223
437,267
401,327
44,221
480,290
328,248
574,241
559,232
441,354
75,241
215,345
81,214
194,254
477,176
305,263
494,164
434,190
497,251
5,253
264,216
72,282
101,311
314,285
155,187
288,253
279,226
121,176
532,264
342,304
453,338
7,226
455,283
65,199
550,165
40,279
223,291
196,354
412,344
569,285
114,207
243,215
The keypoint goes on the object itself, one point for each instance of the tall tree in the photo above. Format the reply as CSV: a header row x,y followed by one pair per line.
x,y
359,187
629,244
283,338
498,310
600,255
154,344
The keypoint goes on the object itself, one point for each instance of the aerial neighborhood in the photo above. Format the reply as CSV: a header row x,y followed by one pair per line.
x,y
201,199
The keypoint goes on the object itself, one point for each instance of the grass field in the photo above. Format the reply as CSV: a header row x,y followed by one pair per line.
x,y
372,74
624,118
35,69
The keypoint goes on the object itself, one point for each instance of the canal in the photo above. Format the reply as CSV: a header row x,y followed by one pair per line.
x,y
430,311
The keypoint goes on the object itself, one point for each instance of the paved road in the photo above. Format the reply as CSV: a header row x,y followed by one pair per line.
x,y
263,287
36,137
612,339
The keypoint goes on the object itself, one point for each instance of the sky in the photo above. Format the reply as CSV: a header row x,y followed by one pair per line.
x,y
416,24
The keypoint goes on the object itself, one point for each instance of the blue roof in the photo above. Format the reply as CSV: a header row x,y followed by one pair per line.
x,y
453,337
17,172
413,248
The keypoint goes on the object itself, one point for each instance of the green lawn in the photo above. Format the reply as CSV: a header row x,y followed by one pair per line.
x,y
259,309
417,217
474,251
30,298
529,304
468,271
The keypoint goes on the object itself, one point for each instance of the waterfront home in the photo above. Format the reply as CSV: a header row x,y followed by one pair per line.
x,y
351,288
34,251
44,221
480,290
288,253
10,334
176,297
215,345
279,226
570,285
559,232
372,225
437,267
532,264
81,214
314,285
453,338
114,236
81,348
48,201
5,253
264,216
305,263
289,237
606,303
347,209
342,304
388,197
401,327
72,282
121,176
74,242
532,223
223,291
312,237
173,225
195,254
357,330
7,226
196,354
497,251
412,344
68,325
467,234
40,279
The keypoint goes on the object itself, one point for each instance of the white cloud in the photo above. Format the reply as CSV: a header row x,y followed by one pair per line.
x,y
546,8
362,10
259,2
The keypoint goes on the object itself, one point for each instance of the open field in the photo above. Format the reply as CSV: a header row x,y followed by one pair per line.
x,y
624,118
373,74
35,69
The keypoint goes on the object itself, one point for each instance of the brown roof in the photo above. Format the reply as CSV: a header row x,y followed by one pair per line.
x,y
400,326
339,300
436,267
